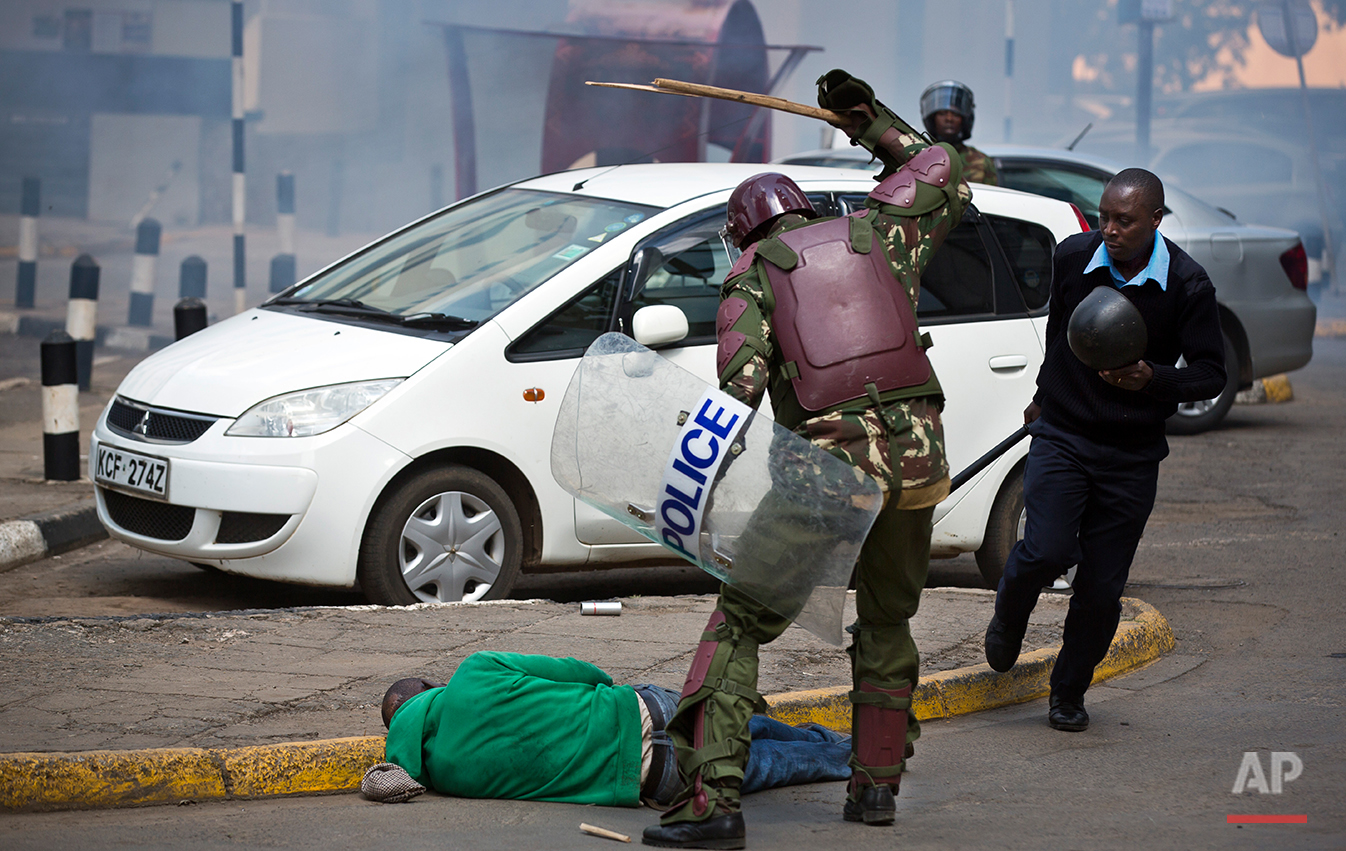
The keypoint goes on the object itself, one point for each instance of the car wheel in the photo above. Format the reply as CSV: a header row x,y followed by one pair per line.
x,y
445,535
1004,529
1196,417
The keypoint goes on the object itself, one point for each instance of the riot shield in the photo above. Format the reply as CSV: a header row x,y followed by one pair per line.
x,y
691,468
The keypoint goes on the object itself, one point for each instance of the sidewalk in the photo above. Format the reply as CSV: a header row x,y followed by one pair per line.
x,y
151,709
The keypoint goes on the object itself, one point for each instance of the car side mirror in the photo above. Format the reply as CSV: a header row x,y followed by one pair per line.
x,y
659,325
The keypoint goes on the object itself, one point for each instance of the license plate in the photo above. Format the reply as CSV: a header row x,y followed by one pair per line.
x,y
131,471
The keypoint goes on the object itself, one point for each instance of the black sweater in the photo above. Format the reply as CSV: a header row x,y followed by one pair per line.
x,y
1181,320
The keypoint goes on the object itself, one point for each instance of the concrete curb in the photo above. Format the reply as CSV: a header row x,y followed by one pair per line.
x,y
50,533
977,687
38,782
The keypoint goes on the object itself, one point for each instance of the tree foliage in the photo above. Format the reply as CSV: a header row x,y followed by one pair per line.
x,y
1205,42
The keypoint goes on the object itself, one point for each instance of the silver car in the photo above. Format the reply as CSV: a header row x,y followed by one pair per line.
x,y
1260,273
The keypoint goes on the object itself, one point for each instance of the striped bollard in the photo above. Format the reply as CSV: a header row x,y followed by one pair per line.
x,y
60,408
29,207
283,264
240,195
192,278
141,311
82,314
189,316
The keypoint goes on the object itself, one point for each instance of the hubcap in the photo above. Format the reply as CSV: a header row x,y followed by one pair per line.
x,y
451,549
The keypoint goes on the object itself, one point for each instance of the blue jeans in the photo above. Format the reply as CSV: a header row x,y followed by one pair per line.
x,y
780,755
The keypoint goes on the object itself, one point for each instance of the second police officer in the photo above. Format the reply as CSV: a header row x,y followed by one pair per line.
x,y
948,112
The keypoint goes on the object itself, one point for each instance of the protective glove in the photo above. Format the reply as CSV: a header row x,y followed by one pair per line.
x,y
839,91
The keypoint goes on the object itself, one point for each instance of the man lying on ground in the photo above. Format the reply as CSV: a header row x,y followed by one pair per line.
x,y
509,725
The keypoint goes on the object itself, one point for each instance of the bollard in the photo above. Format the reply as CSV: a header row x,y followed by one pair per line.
x,y
285,211
141,311
60,408
240,195
189,316
82,314
29,207
283,264
437,185
282,272
192,278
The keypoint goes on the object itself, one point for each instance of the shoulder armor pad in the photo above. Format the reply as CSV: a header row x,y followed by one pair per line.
x,y
931,166
744,263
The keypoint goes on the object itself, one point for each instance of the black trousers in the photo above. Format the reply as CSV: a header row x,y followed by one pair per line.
x,y
1087,504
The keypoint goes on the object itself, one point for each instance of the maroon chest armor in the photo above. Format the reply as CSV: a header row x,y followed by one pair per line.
x,y
842,319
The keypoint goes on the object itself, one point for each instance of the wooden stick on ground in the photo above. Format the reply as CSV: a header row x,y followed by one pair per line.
x,y
606,834
677,87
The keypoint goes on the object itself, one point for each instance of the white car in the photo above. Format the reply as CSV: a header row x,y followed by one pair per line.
x,y
388,421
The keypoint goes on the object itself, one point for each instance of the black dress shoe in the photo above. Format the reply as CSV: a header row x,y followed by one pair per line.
x,y
726,831
1002,645
1066,714
875,805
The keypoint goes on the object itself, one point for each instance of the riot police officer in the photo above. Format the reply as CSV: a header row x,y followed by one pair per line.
x,y
834,341
948,111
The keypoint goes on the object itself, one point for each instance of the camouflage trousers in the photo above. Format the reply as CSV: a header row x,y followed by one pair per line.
x,y
710,728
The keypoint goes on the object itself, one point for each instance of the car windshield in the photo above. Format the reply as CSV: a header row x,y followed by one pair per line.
x,y
472,261
1082,188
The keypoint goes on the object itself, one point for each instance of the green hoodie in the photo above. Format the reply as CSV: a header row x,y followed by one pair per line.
x,y
510,725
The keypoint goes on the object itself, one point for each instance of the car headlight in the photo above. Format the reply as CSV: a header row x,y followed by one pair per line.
x,y
310,412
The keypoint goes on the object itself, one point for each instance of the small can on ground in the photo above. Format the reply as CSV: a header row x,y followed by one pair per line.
x,y
601,607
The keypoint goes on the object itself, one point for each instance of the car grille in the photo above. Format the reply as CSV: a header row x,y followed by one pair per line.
x,y
148,518
242,527
156,425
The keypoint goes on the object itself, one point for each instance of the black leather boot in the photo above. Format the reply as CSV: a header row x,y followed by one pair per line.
x,y
871,805
724,831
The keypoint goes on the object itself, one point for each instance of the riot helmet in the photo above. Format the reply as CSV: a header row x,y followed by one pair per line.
x,y
1106,331
760,198
953,96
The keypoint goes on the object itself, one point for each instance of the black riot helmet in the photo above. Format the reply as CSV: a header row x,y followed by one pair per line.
x,y
1106,331
951,95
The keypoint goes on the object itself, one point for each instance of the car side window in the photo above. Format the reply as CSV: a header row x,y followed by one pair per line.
x,y
570,330
691,266
959,279
1028,248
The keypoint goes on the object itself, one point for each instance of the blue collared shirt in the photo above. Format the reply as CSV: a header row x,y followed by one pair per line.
x,y
1156,269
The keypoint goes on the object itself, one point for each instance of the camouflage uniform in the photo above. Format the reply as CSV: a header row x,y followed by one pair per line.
x,y
898,441
977,167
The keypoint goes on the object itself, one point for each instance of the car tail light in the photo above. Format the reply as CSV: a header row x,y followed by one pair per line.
x,y
1296,265
1084,223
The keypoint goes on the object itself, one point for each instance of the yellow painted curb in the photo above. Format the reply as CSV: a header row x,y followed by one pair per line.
x,y
35,782
977,687
1278,388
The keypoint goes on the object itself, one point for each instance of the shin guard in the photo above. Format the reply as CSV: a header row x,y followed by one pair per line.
x,y
710,728
879,735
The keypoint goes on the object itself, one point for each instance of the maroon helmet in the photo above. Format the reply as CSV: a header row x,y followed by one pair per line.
x,y
761,198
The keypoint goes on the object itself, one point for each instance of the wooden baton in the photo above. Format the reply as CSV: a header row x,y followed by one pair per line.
x,y
678,87
603,832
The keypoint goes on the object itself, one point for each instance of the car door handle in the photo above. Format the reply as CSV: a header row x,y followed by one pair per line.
x,y
1007,363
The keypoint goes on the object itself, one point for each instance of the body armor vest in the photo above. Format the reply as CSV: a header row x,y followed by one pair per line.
x,y
845,325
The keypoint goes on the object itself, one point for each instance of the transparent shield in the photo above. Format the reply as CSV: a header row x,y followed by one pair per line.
x,y
688,467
